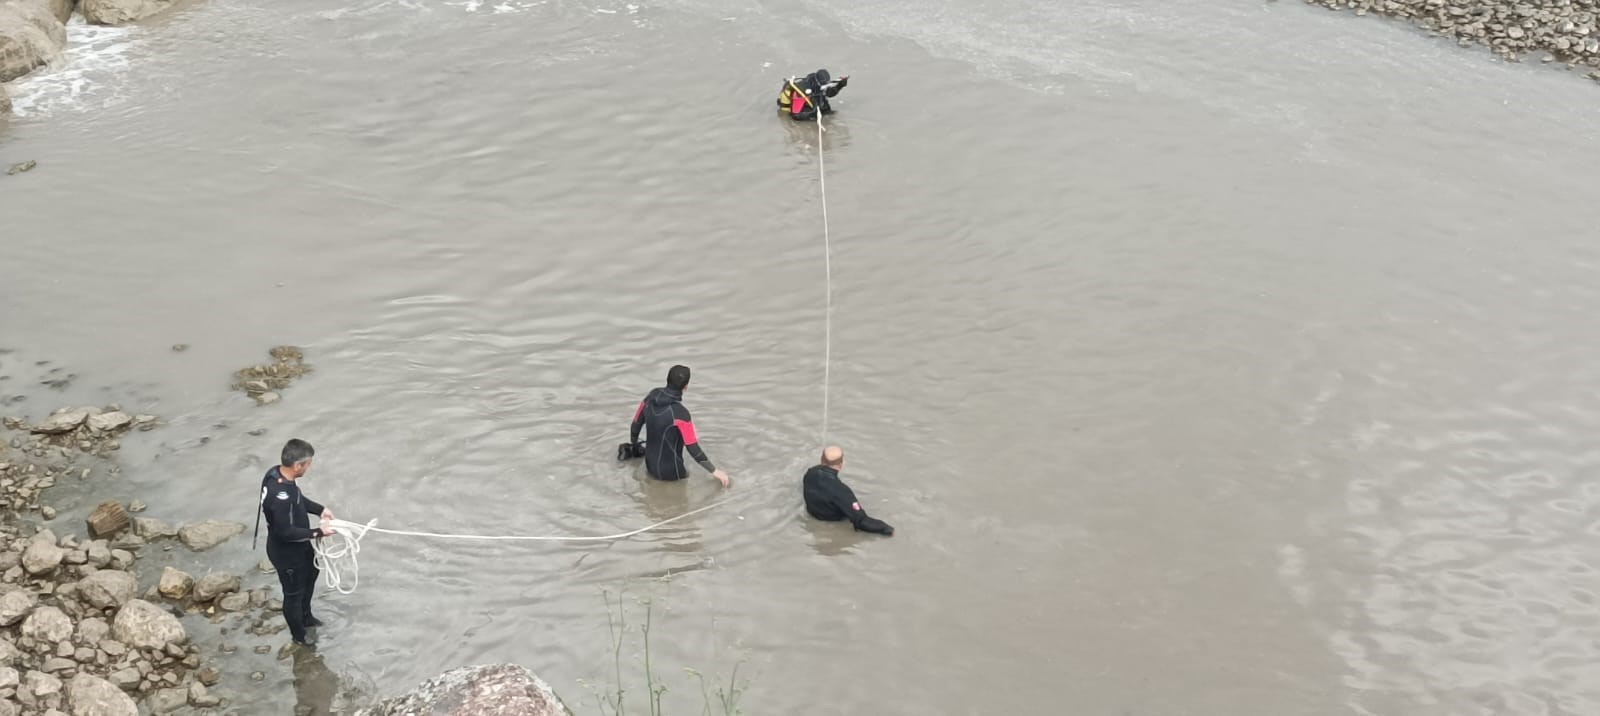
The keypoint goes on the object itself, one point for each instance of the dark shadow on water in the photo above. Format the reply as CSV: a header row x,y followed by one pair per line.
x,y
831,539
315,685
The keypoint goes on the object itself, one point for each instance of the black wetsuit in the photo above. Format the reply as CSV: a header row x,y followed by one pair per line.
x,y
289,536
668,430
829,499
803,108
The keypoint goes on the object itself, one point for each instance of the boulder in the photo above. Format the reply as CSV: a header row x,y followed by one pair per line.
x,y
146,626
39,684
107,422
8,653
175,584
121,12
16,605
201,536
126,678
47,624
151,528
62,9
9,678
215,585
108,588
42,557
93,696
62,421
488,690
92,631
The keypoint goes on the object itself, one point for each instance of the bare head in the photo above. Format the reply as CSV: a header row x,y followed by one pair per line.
x,y
296,458
833,456
678,377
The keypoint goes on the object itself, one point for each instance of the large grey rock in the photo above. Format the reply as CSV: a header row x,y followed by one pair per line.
x,y
202,536
108,588
9,678
99,553
42,557
16,605
62,9
121,12
93,696
63,421
8,653
146,626
215,585
489,690
175,584
47,624
29,37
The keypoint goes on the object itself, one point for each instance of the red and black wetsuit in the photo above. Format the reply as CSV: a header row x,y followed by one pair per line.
x,y
668,430
817,88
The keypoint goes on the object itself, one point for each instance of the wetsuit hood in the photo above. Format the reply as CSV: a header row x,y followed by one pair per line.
x,y
665,396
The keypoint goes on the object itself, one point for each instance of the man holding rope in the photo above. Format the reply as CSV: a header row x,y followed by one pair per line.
x,y
289,535
802,97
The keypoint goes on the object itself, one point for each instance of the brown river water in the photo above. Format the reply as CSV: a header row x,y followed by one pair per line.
x,y
1208,358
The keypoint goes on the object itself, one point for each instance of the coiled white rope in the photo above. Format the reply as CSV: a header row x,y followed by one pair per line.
x,y
336,555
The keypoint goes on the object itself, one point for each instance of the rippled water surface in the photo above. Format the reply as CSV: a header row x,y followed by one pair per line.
x,y
1209,358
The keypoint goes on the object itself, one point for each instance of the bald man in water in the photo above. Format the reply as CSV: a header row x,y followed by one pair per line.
x,y
829,499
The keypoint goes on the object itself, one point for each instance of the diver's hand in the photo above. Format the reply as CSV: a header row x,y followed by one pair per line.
x,y
722,477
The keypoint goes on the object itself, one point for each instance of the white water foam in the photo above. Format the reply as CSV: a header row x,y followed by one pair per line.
x,y
85,77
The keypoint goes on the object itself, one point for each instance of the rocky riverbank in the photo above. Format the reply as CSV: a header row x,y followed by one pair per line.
x,y
1565,31
33,33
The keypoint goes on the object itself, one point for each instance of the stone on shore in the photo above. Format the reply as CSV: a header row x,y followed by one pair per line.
x,y
16,605
47,624
146,626
201,536
215,585
121,12
42,557
108,588
488,690
110,422
166,701
93,696
151,528
65,420
175,584
30,36
107,519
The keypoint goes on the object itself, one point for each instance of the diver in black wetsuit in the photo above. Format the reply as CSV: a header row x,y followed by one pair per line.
x,y
814,91
830,500
668,430
289,535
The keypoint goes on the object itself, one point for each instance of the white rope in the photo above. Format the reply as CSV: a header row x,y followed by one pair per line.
x,y
336,555
827,264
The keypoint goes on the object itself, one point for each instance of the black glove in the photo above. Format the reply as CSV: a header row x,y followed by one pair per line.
x,y
627,451
844,81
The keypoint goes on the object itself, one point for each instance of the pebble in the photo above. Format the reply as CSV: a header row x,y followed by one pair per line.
x,y
137,506
258,675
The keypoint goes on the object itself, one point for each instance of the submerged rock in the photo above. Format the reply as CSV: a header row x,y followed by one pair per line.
x,y
488,690
121,12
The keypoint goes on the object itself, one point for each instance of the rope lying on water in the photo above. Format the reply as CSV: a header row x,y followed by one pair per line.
x,y
336,554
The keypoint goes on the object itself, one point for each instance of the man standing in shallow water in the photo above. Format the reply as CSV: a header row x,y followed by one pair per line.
x,y
289,535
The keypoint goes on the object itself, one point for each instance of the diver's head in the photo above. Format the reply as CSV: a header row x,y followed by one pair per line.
x,y
833,456
295,459
822,77
678,377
